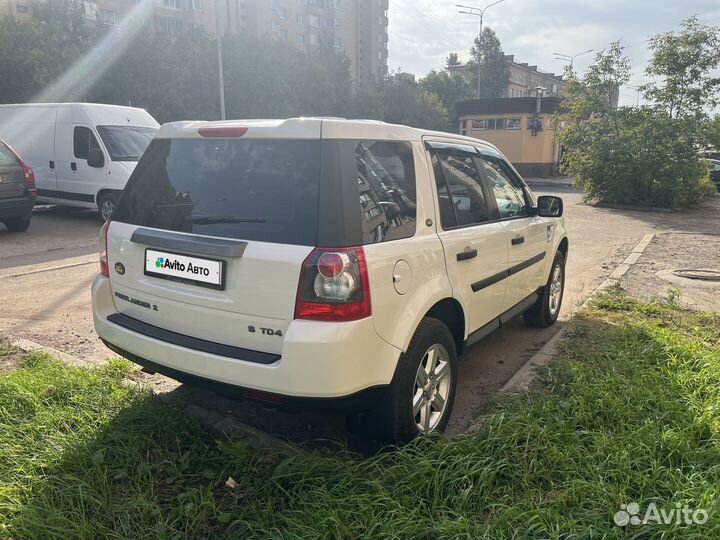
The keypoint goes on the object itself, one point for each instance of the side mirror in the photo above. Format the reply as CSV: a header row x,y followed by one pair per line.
x,y
95,158
549,206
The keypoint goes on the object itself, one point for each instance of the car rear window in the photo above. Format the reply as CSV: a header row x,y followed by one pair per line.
x,y
252,189
7,159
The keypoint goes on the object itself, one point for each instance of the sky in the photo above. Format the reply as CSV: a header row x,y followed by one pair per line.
x,y
423,32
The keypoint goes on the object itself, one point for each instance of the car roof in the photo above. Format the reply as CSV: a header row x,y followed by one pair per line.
x,y
315,128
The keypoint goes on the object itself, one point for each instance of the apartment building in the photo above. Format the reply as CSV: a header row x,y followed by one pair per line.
x,y
523,79
358,28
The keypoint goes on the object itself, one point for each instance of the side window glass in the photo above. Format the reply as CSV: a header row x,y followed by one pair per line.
x,y
508,192
386,189
83,141
462,199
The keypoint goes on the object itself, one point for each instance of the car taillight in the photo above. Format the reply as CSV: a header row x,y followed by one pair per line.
x,y
104,266
29,180
334,286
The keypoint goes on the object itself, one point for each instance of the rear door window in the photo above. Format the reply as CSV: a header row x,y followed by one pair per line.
x,y
252,189
461,198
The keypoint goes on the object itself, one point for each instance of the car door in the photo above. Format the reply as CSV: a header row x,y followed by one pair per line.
x,y
76,180
526,234
476,251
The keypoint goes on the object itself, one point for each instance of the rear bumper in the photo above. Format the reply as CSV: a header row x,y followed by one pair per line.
x,y
338,363
20,207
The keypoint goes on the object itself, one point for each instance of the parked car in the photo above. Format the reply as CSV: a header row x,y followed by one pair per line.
x,y
82,153
17,190
260,257
715,171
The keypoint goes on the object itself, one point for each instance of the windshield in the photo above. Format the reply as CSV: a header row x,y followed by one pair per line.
x,y
126,143
265,190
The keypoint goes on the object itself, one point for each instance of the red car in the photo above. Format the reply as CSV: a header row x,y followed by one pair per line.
x,y
17,190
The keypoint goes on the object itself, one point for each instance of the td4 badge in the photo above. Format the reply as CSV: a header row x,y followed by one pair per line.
x,y
265,331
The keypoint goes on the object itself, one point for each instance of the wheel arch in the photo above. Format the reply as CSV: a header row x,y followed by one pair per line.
x,y
105,191
450,312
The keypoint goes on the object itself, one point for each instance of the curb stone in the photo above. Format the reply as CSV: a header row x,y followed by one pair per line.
x,y
527,374
225,425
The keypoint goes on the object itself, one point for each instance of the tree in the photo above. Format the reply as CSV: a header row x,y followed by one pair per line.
x,y
596,93
494,70
38,51
712,133
399,99
452,61
629,155
449,88
684,62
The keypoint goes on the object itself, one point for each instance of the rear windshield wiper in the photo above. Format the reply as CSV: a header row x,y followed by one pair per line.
x,y
208,220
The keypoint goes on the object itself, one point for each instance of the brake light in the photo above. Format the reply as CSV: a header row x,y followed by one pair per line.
x,y
104,265
334,286
222,132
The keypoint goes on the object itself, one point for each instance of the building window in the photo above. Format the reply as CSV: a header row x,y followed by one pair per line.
x,y
196,5
463,127
172,4
496,124
313,20
198,28
21,8
314,39
335,4
300,19
169,25
301,39
275,26
337,43
283,35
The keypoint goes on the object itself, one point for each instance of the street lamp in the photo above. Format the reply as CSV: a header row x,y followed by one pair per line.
x,y
477,12
571,58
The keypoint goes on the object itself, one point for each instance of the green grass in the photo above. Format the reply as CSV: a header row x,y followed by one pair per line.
x,y
630,411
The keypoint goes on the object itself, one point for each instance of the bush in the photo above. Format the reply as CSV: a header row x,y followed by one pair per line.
x,y
636,156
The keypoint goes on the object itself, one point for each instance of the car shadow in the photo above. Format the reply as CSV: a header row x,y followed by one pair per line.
x,y
483,369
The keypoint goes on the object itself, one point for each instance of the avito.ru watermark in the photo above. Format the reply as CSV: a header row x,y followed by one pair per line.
x,y
629,514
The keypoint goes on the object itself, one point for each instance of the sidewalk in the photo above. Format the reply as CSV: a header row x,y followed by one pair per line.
x,y
555,181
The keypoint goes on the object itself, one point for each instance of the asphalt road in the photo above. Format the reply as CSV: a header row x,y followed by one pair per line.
x,y
45,277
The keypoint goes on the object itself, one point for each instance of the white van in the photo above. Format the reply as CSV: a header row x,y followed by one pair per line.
x,y
82,153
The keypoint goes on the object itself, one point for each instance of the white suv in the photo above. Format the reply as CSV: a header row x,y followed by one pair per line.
x,y
325,262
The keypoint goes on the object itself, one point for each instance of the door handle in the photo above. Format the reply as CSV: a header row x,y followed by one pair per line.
x,y
467,254
73,166
52,165
518,240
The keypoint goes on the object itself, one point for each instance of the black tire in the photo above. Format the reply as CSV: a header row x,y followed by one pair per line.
x,y
393,420
106,205
18,224
541,313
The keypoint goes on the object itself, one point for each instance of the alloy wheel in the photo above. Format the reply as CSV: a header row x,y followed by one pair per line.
x,y
431,388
